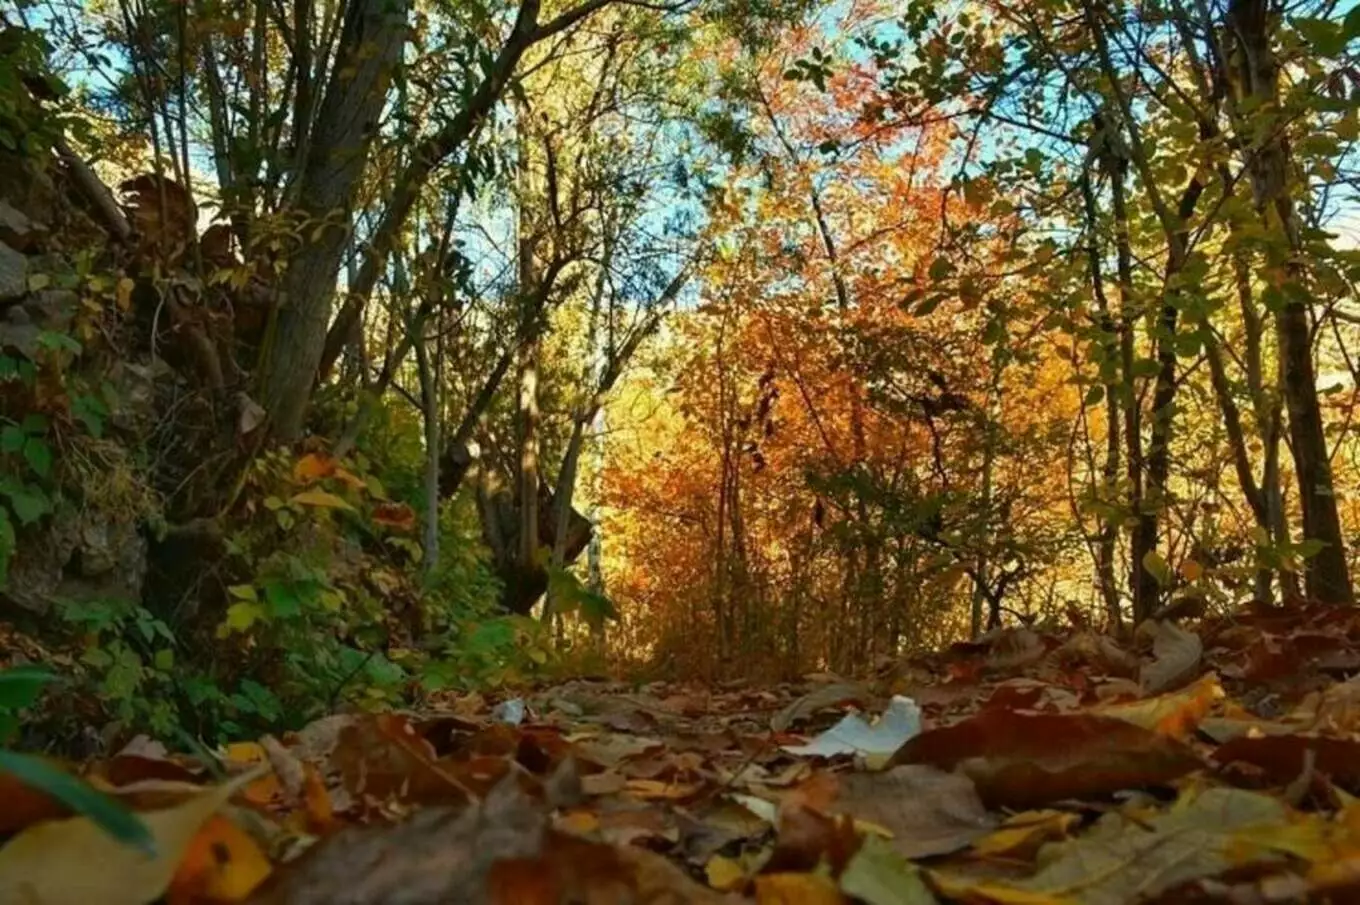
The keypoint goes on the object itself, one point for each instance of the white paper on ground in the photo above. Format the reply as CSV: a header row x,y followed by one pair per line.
x,y
852,735
511,711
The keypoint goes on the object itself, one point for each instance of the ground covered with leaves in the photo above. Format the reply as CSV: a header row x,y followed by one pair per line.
x,y
1211,762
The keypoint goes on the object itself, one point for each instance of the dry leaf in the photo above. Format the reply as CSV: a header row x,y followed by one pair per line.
x,y
1176,655
928,811
51,863
1177,714
1028,760
797,889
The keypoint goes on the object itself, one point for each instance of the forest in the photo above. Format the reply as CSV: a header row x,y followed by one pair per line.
x,y
673,451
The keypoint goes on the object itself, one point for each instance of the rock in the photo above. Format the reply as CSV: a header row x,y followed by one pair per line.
x,y
133,408
13,274
53,309
23,323
81,556
18,231
26,187
35,570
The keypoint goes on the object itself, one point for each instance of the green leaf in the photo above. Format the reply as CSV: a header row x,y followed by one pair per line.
x,y
241,616
1145,367
1310,547
283,600
1324,35
879,876
38,455
1154,563
12,439
21,685
108,814
7,542
1095,394
28,502
320,498
1350,26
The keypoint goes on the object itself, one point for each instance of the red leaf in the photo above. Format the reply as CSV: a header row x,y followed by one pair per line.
x,y
1026,760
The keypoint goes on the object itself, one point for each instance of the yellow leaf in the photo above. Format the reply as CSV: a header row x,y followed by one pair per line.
x,y
579,823
74,862
320,498
1176,714
1022,835
724,874
241,616
958,887
797,889
124,293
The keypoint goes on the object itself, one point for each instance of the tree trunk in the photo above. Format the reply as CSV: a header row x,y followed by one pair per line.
x,y
1250,23
370,46
429,403
434,151
1109,338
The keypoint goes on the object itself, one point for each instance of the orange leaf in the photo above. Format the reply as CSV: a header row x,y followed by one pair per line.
x,y
1177,714
312,467
222,864
320,811
797,889
652,788
350,479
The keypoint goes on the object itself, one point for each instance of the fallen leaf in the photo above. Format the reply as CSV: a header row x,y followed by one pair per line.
x,y
609,750
1280,759
222,863
1176,654
1119,860
1015,648
382,758
815,700
877,875
797,889
653,789
928,811
1022,834
1176,714
724,874
1028,760
51,862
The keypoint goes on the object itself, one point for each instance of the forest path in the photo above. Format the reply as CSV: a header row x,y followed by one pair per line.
x,y
1213,763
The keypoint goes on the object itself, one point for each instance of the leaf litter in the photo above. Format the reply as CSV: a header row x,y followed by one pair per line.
x,y
1205,763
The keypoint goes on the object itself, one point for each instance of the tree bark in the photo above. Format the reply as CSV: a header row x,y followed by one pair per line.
x,y
1269,162
370,45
